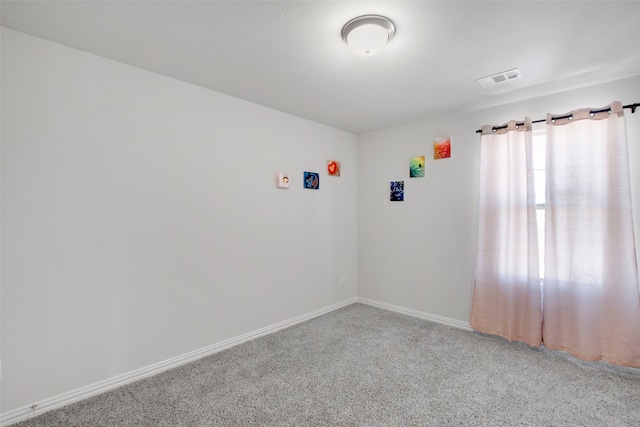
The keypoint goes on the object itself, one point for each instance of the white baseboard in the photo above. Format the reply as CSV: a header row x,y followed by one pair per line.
x,y
82,393
415,313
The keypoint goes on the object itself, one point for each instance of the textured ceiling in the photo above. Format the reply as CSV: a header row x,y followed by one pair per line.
x,y
288,55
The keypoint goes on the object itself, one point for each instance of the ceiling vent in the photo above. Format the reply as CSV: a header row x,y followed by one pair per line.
x,y
502,77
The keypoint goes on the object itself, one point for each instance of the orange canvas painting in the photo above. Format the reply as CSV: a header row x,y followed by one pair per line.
x,y
442,147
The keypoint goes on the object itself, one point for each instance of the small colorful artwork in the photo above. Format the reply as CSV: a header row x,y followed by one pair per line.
x,y
442,147
397,191
416,167
311,180
282,180
333,168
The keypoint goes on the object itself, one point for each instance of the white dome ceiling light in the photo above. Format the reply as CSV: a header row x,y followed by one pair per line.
x,y
367,35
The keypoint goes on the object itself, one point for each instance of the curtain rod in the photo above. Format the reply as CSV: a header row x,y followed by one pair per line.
x,y
553,119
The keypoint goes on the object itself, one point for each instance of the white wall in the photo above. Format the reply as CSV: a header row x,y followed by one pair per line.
x,y
420,254
140,218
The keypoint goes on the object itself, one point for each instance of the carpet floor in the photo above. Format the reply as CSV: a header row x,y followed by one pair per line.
x,y
364,366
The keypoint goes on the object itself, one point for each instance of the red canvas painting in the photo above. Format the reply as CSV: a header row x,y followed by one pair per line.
x,y
333,168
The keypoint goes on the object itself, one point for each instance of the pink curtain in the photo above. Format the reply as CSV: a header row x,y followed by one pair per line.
x,y
591,298
507,296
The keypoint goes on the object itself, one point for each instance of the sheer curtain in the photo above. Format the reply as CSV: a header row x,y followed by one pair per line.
x,y
507,296
591,297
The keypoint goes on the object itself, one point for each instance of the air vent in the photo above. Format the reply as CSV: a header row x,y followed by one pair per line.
x,y
502,77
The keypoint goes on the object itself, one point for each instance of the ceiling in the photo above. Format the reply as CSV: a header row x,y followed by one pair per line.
x,y
289,55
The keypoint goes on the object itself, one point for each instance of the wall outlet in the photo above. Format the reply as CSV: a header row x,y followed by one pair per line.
x,y
341,281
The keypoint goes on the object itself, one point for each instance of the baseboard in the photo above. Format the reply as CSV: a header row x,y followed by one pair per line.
x,y
82,393
415,313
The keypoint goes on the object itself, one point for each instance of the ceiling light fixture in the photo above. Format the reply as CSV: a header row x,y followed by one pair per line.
x,y
367,35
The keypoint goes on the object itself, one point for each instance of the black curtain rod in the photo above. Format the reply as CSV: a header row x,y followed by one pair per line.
x,y
569,116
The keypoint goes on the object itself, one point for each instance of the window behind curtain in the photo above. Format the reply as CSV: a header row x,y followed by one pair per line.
x,y
539,169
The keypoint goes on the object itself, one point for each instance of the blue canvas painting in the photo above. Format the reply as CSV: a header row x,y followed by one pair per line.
x,y
311,180
397,191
